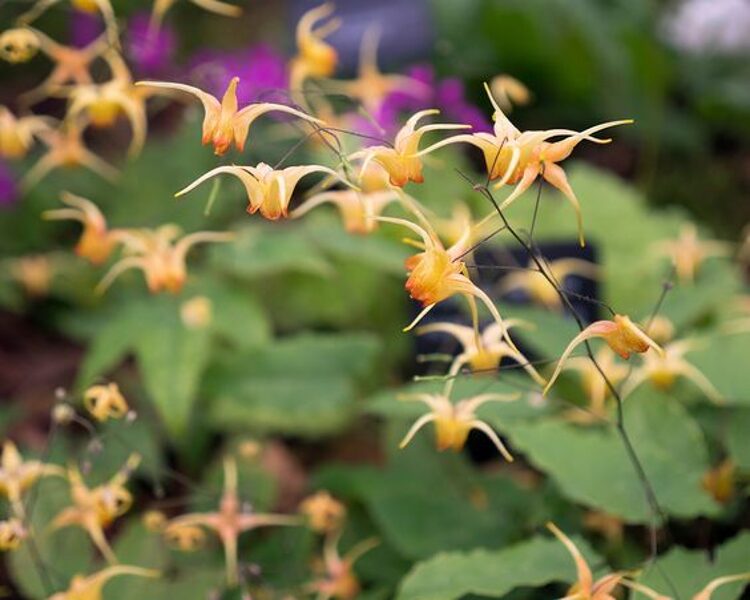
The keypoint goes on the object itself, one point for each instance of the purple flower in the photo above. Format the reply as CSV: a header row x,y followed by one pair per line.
x,y
261,70
150,51
8,187
84,28
447,95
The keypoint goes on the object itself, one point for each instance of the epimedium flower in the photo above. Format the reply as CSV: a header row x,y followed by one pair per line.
x,y
66,148
315,57
17,133
71,66
483,352
18,45
323,512
90,587
91,7
269,190
515,157
96,242
437,273
663,369
403,160
18,475
12,533
161,7
94,509
225,123
621,334
104,402
508,90
230,520
357,209
585,587
719,481
102,103
594,385
34,272
454,421
371,87
537,285
338,580
688,252
159,254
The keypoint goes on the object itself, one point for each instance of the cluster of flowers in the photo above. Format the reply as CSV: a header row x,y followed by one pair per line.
x,y
370,179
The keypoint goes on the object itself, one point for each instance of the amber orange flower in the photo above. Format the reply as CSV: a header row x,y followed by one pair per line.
x,y
104,402
161,7
90,587
96,242
315,57
17,133
357,209
339,580
224,122
18,475
103,7
18,45
621,334
269,190
688,252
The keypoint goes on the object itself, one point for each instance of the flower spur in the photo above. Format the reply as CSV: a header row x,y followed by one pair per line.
x,y
482,352
269,191
225,123
338,579
357,209
94,509
230,520
621,334
403,161
90,587
96,242
159,254
161,7
454,421
515,157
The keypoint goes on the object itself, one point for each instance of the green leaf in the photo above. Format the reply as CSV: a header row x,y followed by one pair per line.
x,y
303,385
591,465
690,571
453,575
736,438
723,359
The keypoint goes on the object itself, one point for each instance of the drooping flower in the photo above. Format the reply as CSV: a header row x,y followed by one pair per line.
x,y
96,242
324,513
18,45
660,329
585,587
269,191
230,520
719,481
161,7
515,157
159,254
338,581
34,272
18,475
357,209
197,313
65,148
663,369
437,273
90,587
71,66
483,352
224,123
315,57
403,160
454,421
94,509
688,252
104,402
101,104
537,284
621,334
17,133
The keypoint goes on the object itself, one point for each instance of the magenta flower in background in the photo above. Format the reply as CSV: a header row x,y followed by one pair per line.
x,y
447,94
84,28
150,52
261,70
8,187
